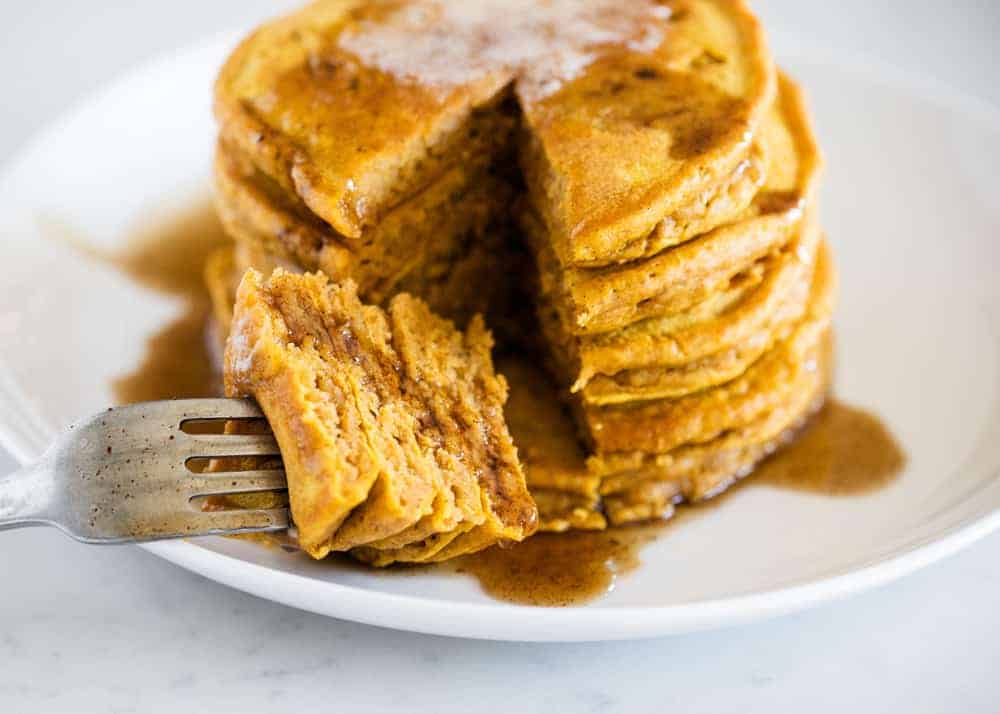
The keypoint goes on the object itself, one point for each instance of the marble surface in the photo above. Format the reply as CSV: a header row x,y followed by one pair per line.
x,y
86,629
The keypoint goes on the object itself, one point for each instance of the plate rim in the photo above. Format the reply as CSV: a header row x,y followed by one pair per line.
x,y
507,622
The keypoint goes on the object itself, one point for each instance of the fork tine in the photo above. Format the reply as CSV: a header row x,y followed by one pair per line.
x,y
215,522
226,482
218,445
213,409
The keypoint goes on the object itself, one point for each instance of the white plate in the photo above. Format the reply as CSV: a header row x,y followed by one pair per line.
x,y
910,205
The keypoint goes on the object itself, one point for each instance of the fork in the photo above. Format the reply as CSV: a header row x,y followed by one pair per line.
x,y
125,475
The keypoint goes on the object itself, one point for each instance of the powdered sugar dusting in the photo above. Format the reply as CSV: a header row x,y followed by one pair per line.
x,y
544,43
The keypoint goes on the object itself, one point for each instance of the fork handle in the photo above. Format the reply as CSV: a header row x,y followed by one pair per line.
x,y
26,497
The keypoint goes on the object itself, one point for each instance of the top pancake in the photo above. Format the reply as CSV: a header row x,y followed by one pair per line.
x,y
631,112
348,138
640,135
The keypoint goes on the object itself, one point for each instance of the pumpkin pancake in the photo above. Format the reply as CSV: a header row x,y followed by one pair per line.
x,y
653,483
674,382
463,415
718,205
349,139
623,160
430,348
367,458
752,305
661,425
601,300
293,348
421,236
676,355
698,468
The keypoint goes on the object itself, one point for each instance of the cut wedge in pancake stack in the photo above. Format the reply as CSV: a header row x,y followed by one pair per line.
x,y
639,173
390,422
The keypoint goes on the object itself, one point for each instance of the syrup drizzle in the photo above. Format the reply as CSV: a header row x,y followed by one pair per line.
x,y
843,452
168,258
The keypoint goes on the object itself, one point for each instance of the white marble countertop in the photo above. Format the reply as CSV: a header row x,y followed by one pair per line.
x,y
86,629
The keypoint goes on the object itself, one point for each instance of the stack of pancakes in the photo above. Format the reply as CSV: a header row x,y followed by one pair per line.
x,y
657,167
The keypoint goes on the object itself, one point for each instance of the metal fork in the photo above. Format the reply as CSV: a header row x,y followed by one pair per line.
x,y
125,476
